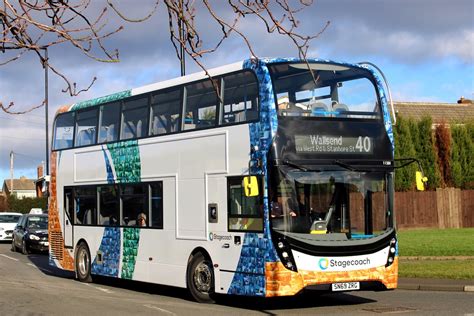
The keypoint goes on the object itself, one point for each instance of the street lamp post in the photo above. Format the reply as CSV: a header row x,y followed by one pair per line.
x,y
46,102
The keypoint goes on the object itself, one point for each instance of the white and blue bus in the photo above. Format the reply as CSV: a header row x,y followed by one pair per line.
x,y
273,177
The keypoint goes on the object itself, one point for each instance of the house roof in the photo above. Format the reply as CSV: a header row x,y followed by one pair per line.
x,y
439,112
23,184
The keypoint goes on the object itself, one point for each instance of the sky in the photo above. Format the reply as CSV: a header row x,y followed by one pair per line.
x,y
424,47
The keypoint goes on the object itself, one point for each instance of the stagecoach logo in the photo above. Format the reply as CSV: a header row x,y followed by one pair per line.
x,y
323,263
213,236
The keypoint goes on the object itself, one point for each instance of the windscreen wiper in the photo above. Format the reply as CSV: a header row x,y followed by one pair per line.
x,y
344,165
297,166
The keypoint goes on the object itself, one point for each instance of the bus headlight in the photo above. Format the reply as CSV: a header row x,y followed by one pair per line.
x,y
284,252
391,252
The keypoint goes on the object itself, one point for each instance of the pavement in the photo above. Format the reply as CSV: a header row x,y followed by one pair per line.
x,y
436,285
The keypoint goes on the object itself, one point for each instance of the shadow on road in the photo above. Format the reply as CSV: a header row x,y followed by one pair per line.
x,y
41,261
307,299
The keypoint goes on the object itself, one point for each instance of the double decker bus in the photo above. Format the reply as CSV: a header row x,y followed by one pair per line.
x,y
272,177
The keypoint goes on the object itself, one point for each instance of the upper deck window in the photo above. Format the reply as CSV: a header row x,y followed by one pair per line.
x,y
240,98
86,127
64,131
109,122
201,105
165,112
331,91
134,118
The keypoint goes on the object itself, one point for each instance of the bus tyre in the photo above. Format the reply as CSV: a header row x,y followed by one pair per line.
x,y
200,279
83,263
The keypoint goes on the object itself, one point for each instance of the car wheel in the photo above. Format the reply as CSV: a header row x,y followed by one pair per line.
x,y
13,246
200,279
83,263
24,248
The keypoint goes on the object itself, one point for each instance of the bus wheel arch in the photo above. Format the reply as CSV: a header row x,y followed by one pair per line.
x,y
200,278
82,262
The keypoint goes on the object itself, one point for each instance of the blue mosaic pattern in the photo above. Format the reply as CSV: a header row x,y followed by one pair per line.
x,y
256,251
386,114
101,100
131,237
110,248
250,276
108,167
126,161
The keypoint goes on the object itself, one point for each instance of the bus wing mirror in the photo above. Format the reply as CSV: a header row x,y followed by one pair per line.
x,y
250,185
420,181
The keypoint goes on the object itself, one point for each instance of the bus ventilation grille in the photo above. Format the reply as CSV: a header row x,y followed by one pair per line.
x,y
57,245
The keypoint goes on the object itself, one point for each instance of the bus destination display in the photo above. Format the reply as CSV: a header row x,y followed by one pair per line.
x,y
326,144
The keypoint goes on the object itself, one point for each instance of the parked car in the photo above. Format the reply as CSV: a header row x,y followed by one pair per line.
x,y
8,221
31,233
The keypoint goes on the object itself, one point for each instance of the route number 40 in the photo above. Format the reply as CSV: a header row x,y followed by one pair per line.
x,y
363,144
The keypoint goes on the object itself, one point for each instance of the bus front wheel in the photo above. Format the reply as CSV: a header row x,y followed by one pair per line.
x,y
83,263
200,279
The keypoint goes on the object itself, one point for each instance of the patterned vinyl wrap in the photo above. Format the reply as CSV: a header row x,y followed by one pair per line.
x,y
110,250
58,254
280,281
105,99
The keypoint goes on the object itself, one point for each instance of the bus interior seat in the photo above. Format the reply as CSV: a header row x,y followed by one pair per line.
x,y
84,138
139,128
158,127
129,130
111,133
103,132
87,218
240,116
318,108
62,143
340,108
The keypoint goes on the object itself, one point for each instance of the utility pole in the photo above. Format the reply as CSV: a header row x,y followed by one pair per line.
x,y
46,103
181,39
11,172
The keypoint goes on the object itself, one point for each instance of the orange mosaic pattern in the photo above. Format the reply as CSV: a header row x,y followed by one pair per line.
x,y
55,235
282,282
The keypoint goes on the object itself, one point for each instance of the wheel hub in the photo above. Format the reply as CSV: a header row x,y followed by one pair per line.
x,y
203,277
83,262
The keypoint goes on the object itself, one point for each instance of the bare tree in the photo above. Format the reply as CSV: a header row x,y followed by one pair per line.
x,y
34,25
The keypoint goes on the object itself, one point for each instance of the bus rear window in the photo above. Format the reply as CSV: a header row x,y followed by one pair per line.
x,y
64,131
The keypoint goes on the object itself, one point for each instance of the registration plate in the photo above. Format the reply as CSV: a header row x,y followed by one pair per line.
x,y
347,286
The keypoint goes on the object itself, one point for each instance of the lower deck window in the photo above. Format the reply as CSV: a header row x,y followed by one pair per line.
x,y
244,213
138,204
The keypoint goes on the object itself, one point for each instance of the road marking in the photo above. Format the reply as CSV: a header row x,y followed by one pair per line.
x,y
158,309
11,258
99,288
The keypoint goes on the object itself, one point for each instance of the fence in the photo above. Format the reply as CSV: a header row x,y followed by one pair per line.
x,y
443,208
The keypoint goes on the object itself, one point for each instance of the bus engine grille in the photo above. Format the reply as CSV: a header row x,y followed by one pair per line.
x,y
57,245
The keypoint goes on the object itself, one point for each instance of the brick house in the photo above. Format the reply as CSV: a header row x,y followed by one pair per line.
x,y
22,187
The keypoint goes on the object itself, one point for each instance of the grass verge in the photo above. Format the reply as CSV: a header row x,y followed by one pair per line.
x,y
439,269
436,242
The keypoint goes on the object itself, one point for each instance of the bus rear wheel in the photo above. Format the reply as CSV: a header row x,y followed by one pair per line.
x,y
200,279
83,263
